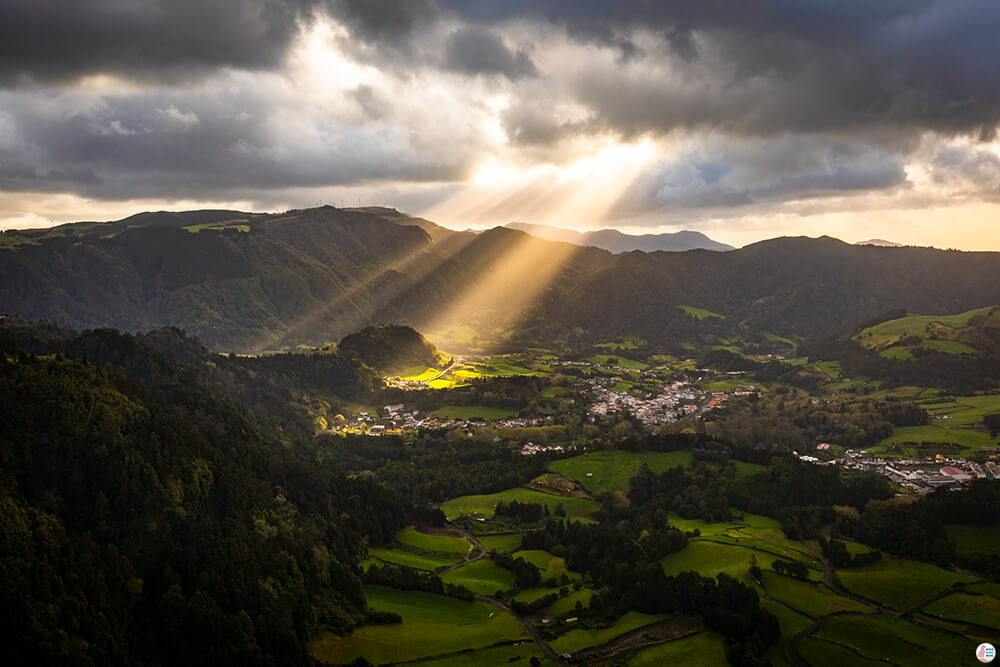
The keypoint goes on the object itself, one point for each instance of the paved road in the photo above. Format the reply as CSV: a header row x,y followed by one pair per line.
x,y
529,628
480,554
445,370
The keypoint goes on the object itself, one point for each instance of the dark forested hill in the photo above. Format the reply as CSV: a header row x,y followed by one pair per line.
x,y
146,520
260,282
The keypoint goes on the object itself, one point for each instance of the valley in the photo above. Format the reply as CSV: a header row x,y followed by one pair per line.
x,y
735,487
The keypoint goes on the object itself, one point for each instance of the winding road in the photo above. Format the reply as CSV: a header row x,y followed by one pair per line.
x,y
528,627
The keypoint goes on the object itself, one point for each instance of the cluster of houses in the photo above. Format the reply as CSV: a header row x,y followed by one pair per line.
x,y
530,449
919,475
675,401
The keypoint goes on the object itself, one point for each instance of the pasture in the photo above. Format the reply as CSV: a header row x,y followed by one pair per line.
x,y
581,638
503,543
963,410
611,470
976,609
518,652
704,648
432,625
618,361
580,508
711,558
810,598
903,436
899,583
483,576
434,543
896,640
418,560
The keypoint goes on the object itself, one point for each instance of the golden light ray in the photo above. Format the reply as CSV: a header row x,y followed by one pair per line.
x,y
415,264
508,285
579,194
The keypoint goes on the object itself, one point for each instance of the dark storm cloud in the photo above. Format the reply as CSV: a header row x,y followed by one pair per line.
x,y
475,50
173,40
195,146
786,65
384,19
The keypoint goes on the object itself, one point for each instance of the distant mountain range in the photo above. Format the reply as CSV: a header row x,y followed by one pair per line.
x,y
253,282
614,241
880,242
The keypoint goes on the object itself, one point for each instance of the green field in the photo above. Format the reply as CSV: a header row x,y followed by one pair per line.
x,y
611,470
502,543
432,625
433,543
917,325
984,588
963,410
484,505
790,622
899,583
977,609
620,361
418,560
576,640
519,653
218,226
472,412
566,605
972,539
822,653
418,373
483,576
710,558
934,331
811,598
704,648
896,640
700,313
969,440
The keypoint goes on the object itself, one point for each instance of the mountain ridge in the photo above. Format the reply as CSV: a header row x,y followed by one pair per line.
x,y
617,242
266,282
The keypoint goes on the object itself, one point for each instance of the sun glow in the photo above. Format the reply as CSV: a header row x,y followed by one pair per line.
x,y
579,193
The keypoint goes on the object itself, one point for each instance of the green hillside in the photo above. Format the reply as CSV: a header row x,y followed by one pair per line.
x,y
950,334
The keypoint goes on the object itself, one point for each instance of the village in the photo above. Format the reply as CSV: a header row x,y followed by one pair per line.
x,y
919,475
676,400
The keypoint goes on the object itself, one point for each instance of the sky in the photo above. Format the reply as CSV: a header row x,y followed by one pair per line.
x,y
743,119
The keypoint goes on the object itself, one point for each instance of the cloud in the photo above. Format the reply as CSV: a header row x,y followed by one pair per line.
x,y
726,173
207,143
475,50
845,66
